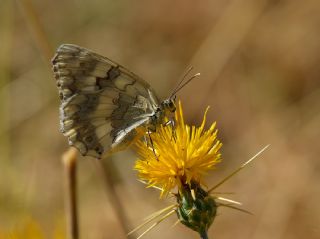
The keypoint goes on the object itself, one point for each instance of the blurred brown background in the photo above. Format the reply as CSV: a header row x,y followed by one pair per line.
x,y
259,64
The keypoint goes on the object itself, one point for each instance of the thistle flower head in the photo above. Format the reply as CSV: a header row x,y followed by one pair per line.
x,y
179,157
184,154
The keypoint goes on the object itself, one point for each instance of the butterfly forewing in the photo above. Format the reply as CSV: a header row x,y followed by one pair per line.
x,y
102,103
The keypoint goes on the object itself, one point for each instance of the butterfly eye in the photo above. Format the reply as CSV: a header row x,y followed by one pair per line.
x,y
172,106
99,149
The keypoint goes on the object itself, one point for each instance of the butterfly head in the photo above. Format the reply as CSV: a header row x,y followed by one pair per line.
x,y
169,104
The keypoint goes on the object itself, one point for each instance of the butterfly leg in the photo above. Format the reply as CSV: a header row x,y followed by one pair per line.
x,y
151,142
145,140
171,122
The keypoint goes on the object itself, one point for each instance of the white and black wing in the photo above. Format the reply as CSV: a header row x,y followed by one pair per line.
x,y
102,103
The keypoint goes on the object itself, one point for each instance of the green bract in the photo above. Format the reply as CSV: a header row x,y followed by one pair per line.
x,y
197,209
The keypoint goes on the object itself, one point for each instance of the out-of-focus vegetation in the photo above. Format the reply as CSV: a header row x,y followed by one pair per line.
x,y
259,64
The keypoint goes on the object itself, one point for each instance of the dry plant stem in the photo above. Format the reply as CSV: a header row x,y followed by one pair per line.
x,y
113,196
245,14
36,29
6,35
69,159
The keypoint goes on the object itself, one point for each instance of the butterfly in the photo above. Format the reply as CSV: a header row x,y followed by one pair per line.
x,y
104,107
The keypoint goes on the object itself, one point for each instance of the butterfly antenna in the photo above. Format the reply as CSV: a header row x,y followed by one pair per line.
x,y
184,84
180,82
184,76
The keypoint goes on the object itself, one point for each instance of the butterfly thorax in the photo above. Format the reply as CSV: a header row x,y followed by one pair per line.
x,y
168,105
163,111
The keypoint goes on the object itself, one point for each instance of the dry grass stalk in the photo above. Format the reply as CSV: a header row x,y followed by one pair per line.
x,y
36,28
114,199
69,159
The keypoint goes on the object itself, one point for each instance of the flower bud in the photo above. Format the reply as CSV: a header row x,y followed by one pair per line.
x,y
197,209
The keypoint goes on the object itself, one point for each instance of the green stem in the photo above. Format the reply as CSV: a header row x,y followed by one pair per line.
x,y
204,235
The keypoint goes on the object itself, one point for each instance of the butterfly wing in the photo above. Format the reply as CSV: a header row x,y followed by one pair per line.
x,y
103,105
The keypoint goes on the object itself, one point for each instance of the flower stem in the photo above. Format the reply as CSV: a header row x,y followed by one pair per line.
x,y
204,235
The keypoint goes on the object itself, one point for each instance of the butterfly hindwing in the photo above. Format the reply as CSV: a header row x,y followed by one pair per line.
x,y
102,103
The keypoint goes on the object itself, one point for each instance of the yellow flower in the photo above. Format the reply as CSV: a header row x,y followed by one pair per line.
x,y
184,154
